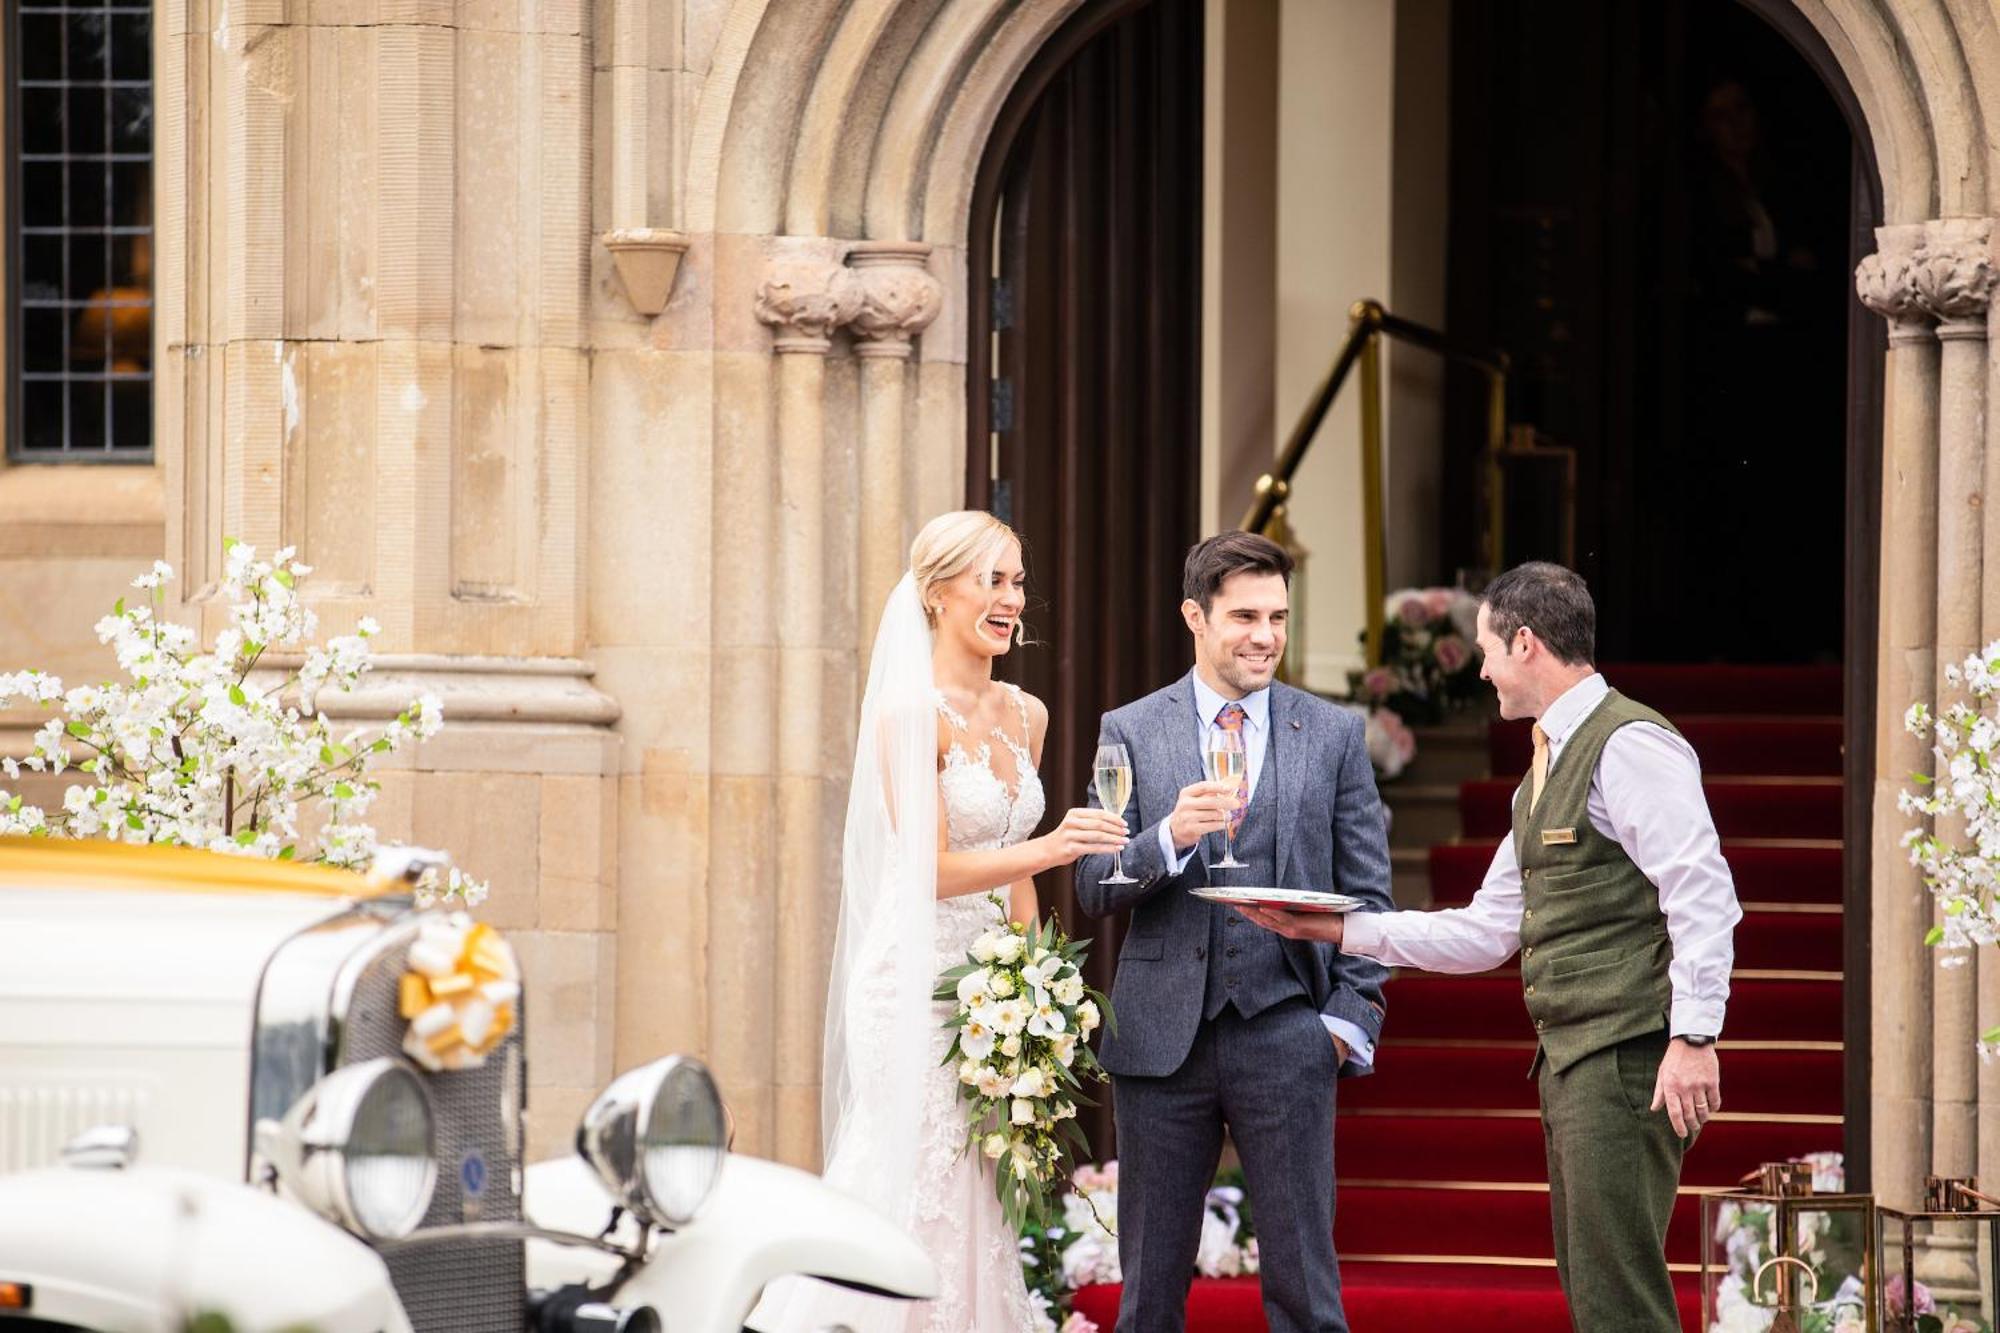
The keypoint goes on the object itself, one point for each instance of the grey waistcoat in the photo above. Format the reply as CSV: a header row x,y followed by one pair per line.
x,y
1246,964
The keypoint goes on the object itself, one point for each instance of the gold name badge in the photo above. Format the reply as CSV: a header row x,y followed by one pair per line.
x,y
1558,837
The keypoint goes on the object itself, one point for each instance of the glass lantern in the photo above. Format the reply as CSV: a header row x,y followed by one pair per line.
x,y
1777,1243
1938,1263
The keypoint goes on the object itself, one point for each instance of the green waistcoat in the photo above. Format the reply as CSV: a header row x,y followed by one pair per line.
x,y
1594,944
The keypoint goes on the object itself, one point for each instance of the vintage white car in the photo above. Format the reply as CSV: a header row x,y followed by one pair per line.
x,y
284,1097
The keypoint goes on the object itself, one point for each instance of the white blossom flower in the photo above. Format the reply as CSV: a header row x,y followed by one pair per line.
x,y
216,748
1007,949
1010,1017
976,1039
974,986
1087,1017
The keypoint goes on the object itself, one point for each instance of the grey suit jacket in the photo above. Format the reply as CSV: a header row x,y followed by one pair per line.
x,y
1330,838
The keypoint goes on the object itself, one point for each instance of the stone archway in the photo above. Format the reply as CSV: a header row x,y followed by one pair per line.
x,y
829,133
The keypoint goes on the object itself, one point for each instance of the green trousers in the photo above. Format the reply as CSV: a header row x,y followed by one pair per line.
x,y
1613,1168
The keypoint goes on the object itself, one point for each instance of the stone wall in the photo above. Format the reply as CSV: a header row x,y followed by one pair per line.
x,y
640,555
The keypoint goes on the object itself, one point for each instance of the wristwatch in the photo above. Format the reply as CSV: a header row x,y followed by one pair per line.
x,y
1696,1038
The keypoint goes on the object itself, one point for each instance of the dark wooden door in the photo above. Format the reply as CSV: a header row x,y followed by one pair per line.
x,y
1085,371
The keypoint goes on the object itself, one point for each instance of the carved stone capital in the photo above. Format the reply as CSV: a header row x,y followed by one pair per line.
x,y
899,297
1954,275
805,298
1887,284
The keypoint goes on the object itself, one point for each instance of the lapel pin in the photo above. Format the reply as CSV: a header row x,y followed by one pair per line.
x,y
1295,726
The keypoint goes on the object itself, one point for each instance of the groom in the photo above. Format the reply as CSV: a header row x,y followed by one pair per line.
x,y
1222,1025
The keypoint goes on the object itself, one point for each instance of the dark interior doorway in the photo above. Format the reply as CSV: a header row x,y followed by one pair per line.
x,y
1651,212
1657,207
1083,389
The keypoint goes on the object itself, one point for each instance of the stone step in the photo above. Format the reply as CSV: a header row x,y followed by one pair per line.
x,y
1410,876
1451,752
1422,813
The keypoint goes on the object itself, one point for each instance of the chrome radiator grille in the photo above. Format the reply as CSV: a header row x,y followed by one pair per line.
x,y
454,1286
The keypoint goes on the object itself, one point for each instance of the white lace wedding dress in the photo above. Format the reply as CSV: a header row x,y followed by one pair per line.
x,y
992,798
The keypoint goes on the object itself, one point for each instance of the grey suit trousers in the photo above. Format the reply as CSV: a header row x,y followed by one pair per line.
x,y
1270,1079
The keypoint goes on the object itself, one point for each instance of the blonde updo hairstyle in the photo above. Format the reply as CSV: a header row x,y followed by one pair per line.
x,y
952,543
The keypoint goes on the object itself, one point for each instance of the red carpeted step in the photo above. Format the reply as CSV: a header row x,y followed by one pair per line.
x,y
1759,746
1765,872
1424,1005
1509,1147
1677,690
1487,1223
1492,1077
1398,1298
1742,807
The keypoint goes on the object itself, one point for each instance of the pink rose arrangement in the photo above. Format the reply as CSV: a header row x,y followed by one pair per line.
x,y
1429,662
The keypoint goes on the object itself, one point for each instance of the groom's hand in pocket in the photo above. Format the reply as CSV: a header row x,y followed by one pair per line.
x,y
1203,808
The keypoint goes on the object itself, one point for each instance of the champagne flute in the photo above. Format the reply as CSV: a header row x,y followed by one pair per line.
x,y
1227,763
1111,772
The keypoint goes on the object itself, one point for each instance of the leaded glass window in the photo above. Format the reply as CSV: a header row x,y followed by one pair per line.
x,y
79,191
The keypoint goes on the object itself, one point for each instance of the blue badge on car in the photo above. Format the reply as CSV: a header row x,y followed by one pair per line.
x,y
472,1173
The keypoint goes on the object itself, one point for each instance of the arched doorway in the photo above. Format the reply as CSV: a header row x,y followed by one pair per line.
x,y
1083,370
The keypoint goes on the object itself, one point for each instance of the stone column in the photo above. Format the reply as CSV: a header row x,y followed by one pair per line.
x,y
805,297
372,256
1954,277
899,299
1900,1054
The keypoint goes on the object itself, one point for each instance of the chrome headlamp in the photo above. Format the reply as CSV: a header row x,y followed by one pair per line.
x,y
656,1138
358,1149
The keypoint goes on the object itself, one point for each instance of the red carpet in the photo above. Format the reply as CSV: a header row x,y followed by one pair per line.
x,y
1443,1212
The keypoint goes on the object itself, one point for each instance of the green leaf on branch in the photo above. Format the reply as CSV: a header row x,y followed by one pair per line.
x,y
284,576
246,837
133,821
342,792
229,544
118,607
237,696
1934,936
382,746
80,730
287,852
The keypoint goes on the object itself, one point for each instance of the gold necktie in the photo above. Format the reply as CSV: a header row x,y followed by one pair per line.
x,y
1541,768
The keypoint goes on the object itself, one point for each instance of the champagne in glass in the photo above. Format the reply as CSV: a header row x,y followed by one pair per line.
x,y
1111,772
1227,763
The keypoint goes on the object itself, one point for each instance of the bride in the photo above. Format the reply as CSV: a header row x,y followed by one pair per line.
x,y
945,794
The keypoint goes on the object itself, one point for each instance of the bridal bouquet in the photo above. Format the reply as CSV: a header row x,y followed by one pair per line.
x,y
1023,1016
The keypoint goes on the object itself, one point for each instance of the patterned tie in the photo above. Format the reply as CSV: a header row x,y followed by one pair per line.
x,y
1231,719
1541,767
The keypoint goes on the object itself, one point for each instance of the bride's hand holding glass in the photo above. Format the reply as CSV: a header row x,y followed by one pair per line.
x,y
1084,831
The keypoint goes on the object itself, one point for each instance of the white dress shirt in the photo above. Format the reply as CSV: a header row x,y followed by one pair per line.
x,y
1646,796
1256,738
